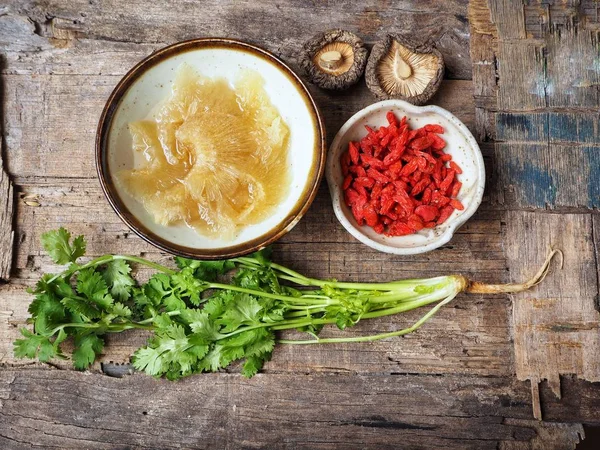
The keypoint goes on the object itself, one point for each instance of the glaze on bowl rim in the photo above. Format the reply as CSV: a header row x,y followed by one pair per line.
x,y
110,191
452,224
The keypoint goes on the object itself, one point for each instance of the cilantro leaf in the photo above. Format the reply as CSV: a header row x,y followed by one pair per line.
x,y
87,347
117,277
81,306
149,360
187,285
252,365
243,310
205,270
91,284
33,345
47,312
212,361
263,256
56,243
158,287
202,326
120,310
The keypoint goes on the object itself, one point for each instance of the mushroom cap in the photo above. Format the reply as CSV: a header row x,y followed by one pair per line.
x,y
400,68
335,59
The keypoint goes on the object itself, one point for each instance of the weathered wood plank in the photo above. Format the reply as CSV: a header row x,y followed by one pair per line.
x,y
227,411
55,27
572,68
52,119
6,204
548,176
556,326
483,56
545,159
521,80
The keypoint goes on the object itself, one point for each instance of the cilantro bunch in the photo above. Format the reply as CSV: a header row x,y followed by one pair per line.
x,y
198,322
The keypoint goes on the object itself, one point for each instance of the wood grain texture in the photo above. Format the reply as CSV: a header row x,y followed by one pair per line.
x,y
483,56
556,326
6,216
226,411
53,27
546,157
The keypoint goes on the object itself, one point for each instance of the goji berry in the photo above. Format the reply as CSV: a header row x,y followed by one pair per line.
x,y
376,191
421,143
391,118
401,185
378,176
350,197
426,156
359,171
357,212
372,161
456,188
347,182
428,213
426,198
365,182
399,229
456,204
353,150
444,214
370,215
448,179
360,189
437,143
419,187
366,147
434,128
410,168
455,167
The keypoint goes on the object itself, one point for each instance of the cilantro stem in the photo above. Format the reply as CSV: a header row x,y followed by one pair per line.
x,y
150,319
405,285
373,337
108,258
284,298
114,328
146,262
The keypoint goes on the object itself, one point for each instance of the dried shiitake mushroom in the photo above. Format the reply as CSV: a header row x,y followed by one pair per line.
x,y
335,59
399,68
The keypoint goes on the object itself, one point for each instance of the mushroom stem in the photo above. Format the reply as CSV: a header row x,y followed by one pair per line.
x,y
401,67
331,60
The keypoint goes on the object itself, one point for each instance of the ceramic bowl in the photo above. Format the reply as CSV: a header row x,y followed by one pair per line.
x,y
150,82
460,144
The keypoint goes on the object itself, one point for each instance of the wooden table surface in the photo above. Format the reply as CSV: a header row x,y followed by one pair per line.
x,y
522,75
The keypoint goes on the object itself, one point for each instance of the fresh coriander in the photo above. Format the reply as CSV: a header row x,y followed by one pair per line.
x,y
200,324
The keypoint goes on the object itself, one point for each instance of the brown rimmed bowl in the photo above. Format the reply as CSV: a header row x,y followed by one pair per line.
x,y
150,81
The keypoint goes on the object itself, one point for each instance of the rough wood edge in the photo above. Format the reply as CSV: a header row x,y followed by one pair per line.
x,y
535,399
480,18
6,203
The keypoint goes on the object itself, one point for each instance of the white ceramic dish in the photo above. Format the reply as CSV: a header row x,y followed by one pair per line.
x,y
460,144
150,82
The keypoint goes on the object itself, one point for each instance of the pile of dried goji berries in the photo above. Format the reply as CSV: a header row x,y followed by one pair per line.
x,y
399,180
